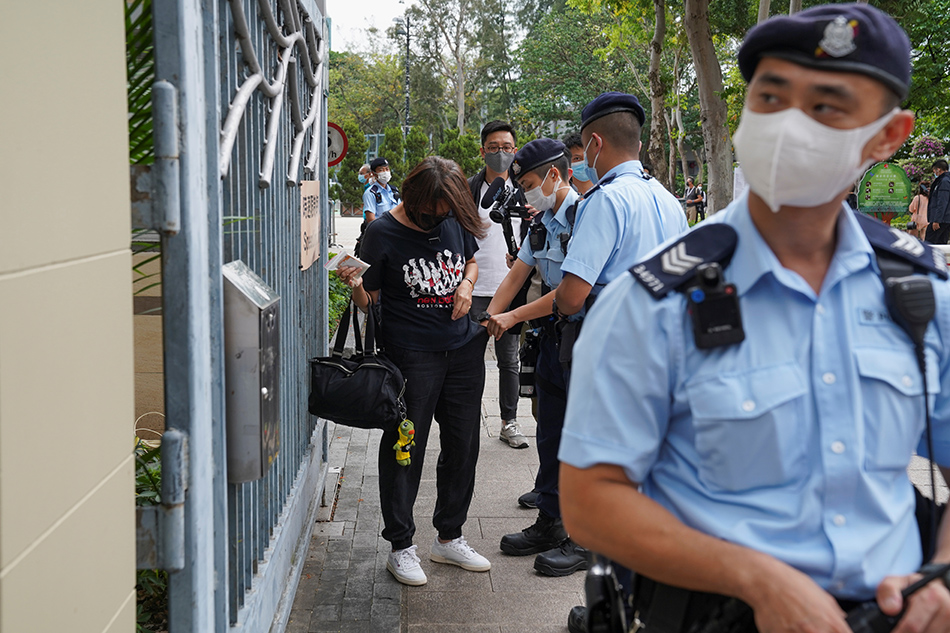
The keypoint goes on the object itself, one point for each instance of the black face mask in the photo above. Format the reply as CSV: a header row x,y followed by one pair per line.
x,y
425,221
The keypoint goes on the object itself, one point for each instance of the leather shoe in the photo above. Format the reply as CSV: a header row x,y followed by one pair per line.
x,y
546,533
567,558
577,620
529,500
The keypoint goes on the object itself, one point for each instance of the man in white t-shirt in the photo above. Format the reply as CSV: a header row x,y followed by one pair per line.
x,y
499,145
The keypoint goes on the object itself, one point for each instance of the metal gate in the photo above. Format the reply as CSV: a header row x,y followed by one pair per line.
x,y
240,120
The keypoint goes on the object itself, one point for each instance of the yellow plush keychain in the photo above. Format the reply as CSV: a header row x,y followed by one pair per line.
x,y
406,431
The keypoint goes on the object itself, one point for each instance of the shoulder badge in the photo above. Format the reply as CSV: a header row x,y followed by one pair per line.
x,y
902,245
673,266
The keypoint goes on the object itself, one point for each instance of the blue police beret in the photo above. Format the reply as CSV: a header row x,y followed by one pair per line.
x,y
378,162
537,153
853,38
608,103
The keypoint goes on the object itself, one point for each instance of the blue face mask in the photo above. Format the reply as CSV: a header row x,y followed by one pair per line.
x,y
362,178
580,171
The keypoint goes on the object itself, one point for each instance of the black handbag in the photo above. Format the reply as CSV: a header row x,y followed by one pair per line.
x,y
363,391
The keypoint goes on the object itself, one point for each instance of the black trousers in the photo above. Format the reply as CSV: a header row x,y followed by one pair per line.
x,y
551,383
447,386
939,236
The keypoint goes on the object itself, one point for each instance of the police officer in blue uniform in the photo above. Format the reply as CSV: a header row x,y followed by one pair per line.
x,y
623,217
542,168
745,402
379,197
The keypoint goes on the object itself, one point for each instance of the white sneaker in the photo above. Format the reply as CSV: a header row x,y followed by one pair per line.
x,y
511,433
403,564
458,552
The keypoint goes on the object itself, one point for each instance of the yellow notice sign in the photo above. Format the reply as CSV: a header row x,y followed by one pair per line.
x,y
309,223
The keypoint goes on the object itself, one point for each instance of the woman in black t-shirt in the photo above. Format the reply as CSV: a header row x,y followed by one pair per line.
x,y
422,271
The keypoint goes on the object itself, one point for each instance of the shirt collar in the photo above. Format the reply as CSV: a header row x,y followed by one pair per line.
x,y
626,167
560,216
754,259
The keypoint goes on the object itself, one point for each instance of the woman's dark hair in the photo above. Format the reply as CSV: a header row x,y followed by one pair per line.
x,y
437,178
924,188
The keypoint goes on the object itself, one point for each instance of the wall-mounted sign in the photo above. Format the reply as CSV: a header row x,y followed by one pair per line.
x,y
336,144
309,223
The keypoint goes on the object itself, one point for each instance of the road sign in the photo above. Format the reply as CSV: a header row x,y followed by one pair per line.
x,y
885,191
336,144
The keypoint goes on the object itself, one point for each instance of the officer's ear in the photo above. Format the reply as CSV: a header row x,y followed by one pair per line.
x,y
890,139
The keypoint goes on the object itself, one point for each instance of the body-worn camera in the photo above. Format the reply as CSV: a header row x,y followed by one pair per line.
x,y
529,359
504,205
713,306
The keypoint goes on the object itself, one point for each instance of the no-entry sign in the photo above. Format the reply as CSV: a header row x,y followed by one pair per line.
x,y
336,144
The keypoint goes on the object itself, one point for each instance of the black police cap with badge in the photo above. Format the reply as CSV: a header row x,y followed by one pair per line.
x,y
854,38
533,155
378,162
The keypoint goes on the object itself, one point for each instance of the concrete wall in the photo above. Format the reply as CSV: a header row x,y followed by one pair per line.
x,y
67,526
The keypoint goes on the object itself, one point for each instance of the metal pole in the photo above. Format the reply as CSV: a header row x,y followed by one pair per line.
x,y
407,74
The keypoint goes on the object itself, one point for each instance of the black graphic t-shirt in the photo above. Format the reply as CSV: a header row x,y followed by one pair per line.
x,y
417,274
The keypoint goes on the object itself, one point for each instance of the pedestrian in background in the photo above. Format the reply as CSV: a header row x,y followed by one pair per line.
x,y
938,207
422,271
580,176
918,210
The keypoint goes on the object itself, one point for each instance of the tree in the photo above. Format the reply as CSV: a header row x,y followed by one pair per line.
x,y
417,145
367,89
445,38
463,149
349,190
392,150
718,144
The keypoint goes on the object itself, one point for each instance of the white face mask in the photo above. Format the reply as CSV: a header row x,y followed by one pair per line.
x,y
538,200
790,159
384,176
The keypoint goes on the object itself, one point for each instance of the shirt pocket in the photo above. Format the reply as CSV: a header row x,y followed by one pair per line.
x,y
750,427
892,392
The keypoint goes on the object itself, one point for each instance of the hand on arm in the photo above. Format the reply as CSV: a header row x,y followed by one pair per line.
x,y
571,294
604,511
501,323
463,294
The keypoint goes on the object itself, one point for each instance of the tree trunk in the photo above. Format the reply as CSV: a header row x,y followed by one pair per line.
x,y
764,10
794,6
712,108
658,94
460,93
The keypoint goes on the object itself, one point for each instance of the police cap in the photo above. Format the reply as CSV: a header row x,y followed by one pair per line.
x,y
610,102
378,162
854,38
537,153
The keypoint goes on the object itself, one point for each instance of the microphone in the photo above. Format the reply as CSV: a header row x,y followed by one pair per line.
x,y
497,185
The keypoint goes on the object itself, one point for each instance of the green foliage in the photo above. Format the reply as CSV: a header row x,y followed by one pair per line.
x,y
417,145
923,151
140,70
151,585
463,149
349,189
366,89
392,150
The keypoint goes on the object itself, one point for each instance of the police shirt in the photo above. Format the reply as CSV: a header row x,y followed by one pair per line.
x,y
794,442
548,260
619,223
387,199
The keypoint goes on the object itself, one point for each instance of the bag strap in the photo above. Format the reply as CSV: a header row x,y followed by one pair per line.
x,y
370,330
344,329
356,329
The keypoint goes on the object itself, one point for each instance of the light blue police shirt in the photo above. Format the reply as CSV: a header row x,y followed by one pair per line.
x,y
549,259
618,224
794,442
369,200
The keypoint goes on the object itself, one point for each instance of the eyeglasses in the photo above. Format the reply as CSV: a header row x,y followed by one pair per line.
x,y
491,149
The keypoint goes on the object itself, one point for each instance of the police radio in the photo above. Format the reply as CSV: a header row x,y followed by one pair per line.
x,y
713,306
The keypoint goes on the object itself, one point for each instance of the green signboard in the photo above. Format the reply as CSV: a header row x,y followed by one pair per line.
x,y
885,191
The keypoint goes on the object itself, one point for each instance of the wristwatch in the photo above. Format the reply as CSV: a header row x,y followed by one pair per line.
x,y
482,316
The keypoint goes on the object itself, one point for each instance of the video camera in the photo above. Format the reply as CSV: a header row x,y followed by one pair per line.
x,y
504,205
